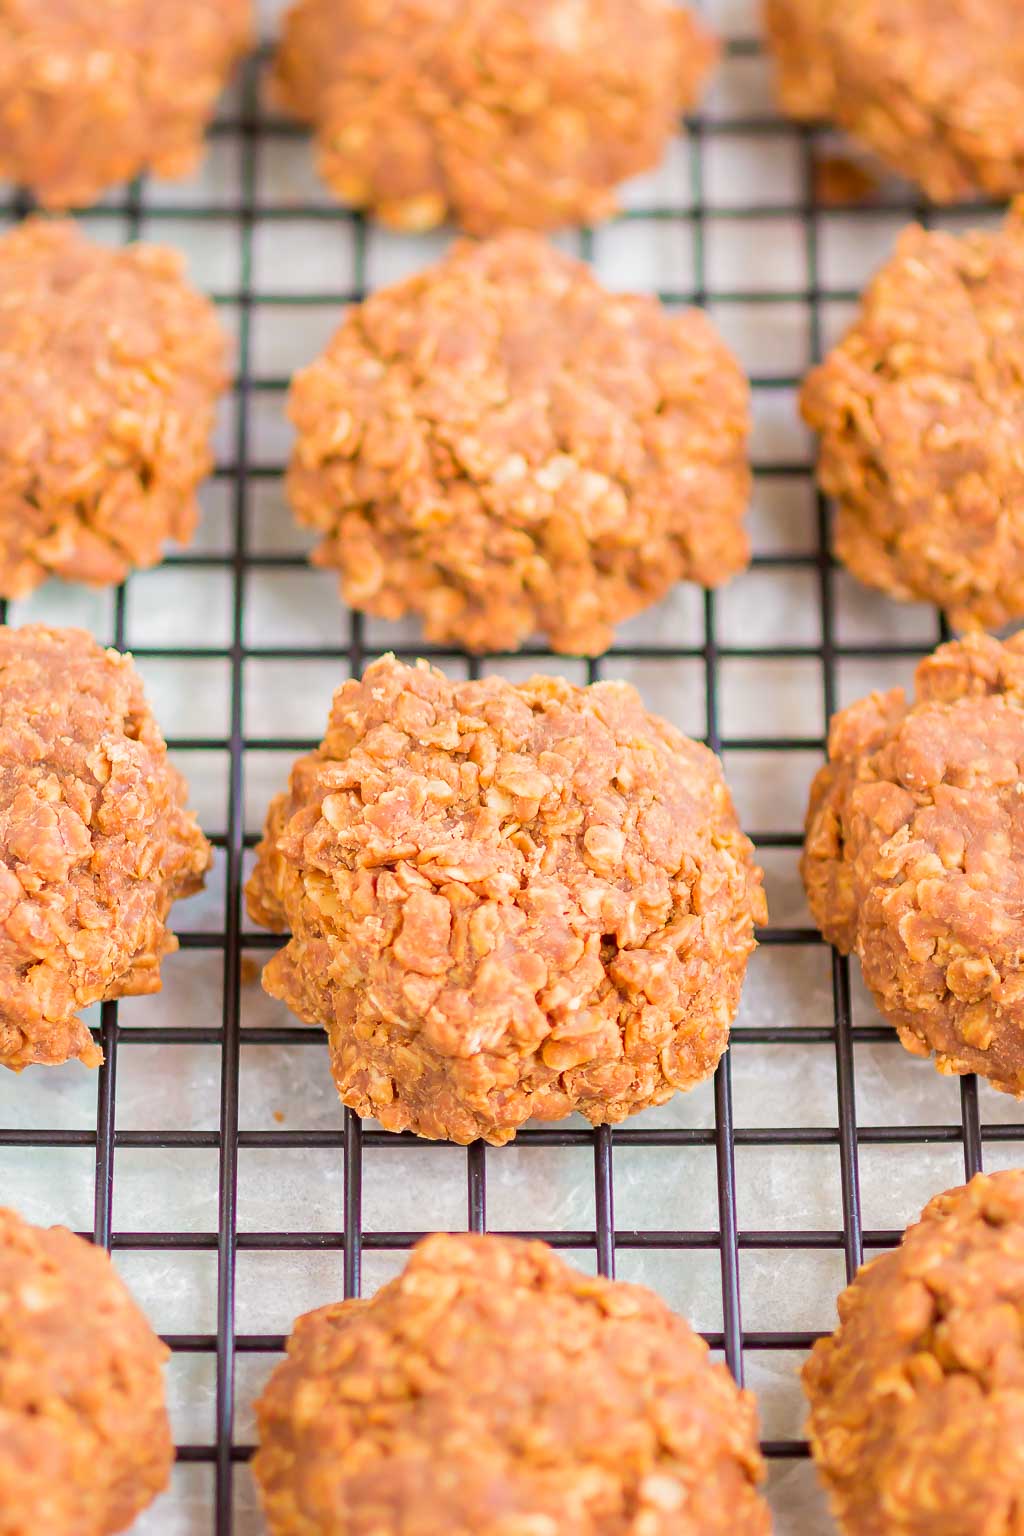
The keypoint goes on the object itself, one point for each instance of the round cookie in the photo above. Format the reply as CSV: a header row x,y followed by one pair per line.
x,y
490,1390
85,1442
110,369
917,1399
920,411
94,94
501,446
914,855
95,841
934,87
506,901
488,113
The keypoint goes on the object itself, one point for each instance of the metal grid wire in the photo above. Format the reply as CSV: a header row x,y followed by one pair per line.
x,y
216,1506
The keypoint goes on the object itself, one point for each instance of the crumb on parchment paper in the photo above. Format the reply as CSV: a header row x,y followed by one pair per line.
x,y
840,181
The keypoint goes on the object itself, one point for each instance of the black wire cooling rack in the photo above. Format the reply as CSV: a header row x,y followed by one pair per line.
x,y
253,131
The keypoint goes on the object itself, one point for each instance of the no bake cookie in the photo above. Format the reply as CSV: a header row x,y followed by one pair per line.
x,y
506,900
491,1390
110,369
915,1400
85,1442
489,113
501,446
934,87
92,94
920,411
95,841
914,855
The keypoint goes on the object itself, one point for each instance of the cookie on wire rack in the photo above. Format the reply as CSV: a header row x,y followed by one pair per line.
x,y
111,366
491,1388
506,901
915,1400
488,113
914,855
93,94
85,1442
502,447
920,415
934,87
96,843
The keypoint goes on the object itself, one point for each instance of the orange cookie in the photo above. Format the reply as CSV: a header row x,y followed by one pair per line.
x,y
95,841
506,901
488,113
492,1389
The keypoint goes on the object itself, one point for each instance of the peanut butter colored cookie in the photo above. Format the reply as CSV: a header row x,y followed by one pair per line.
x,y
85,1442
94,92
491,1390
917,1399
95,841
488,113
110,369
934,87
500,445
506,901
914,858
920,410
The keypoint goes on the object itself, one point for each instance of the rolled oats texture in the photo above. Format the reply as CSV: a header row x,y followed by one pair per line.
x,y
491,1390
95,841
501,446
934,87
914,855
85,1443
488,113
920,412
93,94
917,1400
506,901
110,369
